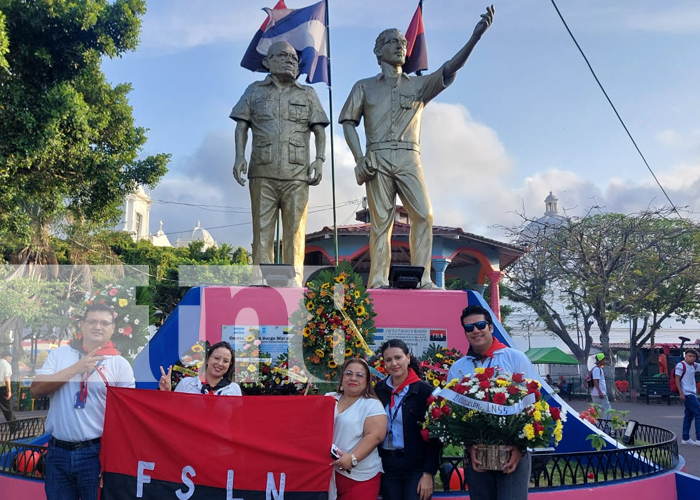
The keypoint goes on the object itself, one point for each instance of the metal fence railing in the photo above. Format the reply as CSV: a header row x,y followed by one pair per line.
x,y
17,457
656,452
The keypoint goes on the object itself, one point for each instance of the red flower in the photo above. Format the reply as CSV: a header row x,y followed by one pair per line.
x,y
499,398
518,378
556,413
113,292
532,386
538,427
436,413
480,376
265,369
489,372
445,410
431,400
538,394
460,389
425,434
512,390
590,475
484,384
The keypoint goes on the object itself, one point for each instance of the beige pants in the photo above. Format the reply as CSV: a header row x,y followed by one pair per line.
x,y
267,197
399,171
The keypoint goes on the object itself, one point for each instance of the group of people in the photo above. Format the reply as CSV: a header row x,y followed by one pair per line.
x,y
379,448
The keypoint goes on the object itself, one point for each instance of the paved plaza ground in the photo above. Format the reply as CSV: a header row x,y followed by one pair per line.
x,y
658,415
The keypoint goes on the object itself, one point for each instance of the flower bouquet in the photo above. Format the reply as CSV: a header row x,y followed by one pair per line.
x,y
493,410
334,320
437,362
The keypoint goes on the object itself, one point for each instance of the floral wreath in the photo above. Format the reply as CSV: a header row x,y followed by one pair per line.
x,y
335,321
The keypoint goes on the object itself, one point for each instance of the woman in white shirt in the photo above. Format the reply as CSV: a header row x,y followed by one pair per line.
x,y
360,425
218,374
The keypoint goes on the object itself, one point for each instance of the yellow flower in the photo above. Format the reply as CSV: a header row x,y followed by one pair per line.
x,y
123,302
251,368
341,278
358,343
360,310
307,331
438,355
537,415
325,285
336,338
450,361
502,383
320,353
430,376
197,348
319,310
479,369
529,431
436,382
309,306
452,383
250,338
357,294
348,352
332,364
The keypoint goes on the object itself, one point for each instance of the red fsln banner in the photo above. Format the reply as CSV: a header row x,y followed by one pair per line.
x,y
165,445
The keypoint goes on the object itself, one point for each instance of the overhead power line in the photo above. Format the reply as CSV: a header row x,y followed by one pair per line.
x,y
629,134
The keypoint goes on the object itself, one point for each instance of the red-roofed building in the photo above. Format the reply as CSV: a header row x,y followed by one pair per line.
x,y
456,253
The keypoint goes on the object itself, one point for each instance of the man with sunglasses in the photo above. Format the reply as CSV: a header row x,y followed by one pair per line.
x,y
488,352
76,377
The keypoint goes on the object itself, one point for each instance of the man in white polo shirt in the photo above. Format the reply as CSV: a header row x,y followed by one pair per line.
x,y
76,378
5,385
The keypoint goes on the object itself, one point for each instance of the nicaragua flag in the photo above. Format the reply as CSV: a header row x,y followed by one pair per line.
x,y
304,29
416,49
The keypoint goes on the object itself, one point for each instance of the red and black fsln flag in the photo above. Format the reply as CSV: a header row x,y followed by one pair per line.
x,y
416,49
164,445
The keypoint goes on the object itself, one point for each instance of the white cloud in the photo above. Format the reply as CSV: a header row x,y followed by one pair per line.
x,y
675,17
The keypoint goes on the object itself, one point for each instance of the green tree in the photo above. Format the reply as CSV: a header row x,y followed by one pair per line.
x,y
69,149
602,268
4,43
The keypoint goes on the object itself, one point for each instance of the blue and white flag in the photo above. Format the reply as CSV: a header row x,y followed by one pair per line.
x,y
304,29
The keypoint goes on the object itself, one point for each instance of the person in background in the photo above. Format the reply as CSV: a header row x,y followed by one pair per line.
x,y
685,381
488,352
563,384
360,425
548,379
599,391
6,385
218,374
76,377
409,462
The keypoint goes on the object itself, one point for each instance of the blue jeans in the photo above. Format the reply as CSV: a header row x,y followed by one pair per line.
x,y
495,485
400,480
692,412
603,402
73,474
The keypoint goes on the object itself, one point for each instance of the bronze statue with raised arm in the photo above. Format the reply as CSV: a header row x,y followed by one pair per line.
x,y
391,105
282,114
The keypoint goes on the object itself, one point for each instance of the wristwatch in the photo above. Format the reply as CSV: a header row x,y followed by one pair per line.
x,y
354,459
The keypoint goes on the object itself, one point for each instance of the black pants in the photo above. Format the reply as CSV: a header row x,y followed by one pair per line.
x,y
400,480
5,405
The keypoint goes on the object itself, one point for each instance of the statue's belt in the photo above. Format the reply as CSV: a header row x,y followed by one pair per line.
x,y
393,145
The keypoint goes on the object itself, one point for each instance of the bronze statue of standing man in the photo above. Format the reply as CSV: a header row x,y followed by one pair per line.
x,y
282,114
391,105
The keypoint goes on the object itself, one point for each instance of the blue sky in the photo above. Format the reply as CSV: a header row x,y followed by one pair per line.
x,y
523,117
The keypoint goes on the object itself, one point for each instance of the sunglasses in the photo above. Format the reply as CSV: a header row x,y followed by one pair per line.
x,y
480,325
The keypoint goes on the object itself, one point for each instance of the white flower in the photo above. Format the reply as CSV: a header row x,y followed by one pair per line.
x,y
114,299
479,395
121,330
136,321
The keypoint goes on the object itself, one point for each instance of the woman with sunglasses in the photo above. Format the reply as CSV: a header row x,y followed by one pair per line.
x,y
218,374
360,425
409,462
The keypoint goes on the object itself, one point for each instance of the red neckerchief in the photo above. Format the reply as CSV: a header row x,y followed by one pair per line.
x,y
495,346
106,350
412,377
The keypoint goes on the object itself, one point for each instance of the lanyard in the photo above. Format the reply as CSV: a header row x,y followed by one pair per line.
x,y
397,405
82,395
482,364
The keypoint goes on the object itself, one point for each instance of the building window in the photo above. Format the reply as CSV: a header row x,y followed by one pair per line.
x,y
139,223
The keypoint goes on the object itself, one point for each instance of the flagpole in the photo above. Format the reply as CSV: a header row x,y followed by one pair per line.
x,y
330,105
